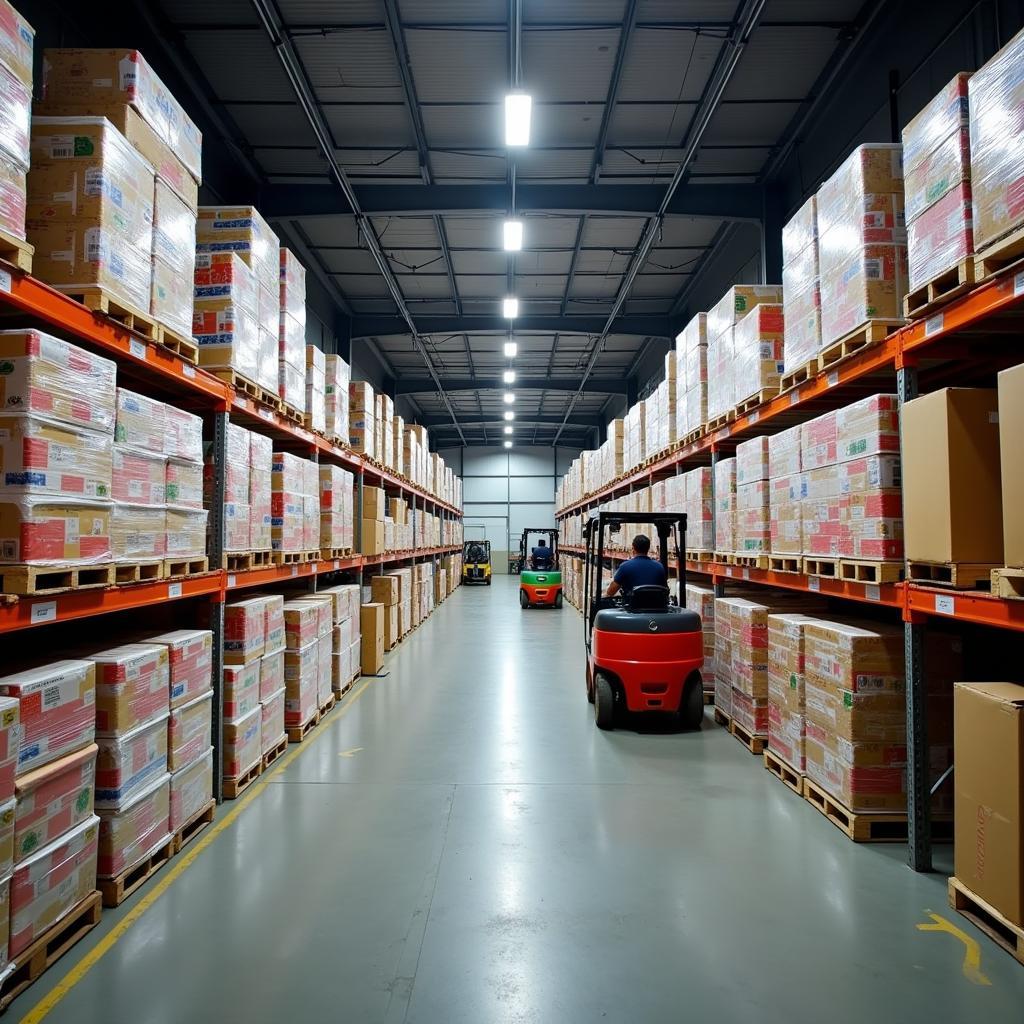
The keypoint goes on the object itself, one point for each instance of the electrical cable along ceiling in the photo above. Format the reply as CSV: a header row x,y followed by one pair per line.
x,y
379,129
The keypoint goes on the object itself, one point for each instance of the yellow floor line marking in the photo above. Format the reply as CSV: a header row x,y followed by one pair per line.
x,y
972,951
350,753
179,866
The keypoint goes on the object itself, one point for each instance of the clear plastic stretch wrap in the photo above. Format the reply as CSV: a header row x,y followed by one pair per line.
x,y
139,478
272,727
316,385
242,230
53,799
135,829
17,38
184,435
292,384
725,505
184,482
137,532
190,653
90,208
189,731
271,673
997,124
241,688
191,790
784,457
301,670
702,601
336,507
243,745
786,514
56,379
10,739
941,237
261,462
67,722
13,188
37,530
692,376
172,297
336,380
15,114
752,460
186,532
141,422
224,321
268,318
128,762
50,883
757,351
93,79
46,457
288,507
174,231
302,621
292,285
245,630
700,508
801,286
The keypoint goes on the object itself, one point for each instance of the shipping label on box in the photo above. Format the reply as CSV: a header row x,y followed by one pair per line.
x,y
132,686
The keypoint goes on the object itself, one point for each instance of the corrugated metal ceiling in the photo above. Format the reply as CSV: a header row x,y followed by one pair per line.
x,y
573,66
450,66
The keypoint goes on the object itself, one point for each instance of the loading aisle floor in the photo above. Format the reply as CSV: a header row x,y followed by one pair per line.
x,y
460,844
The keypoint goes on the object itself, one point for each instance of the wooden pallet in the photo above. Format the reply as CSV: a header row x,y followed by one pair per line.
x,y
99,300
35,580
196,824
239,561
755,401
297,733
182,345
754,742
709,697
117,889
700,556
274,753
289,412
983,915
785,563
783,770
955,575
328,705
827,567
721,420
250,388
328,554
798,376
862,571
694,435
186,566
234,788
999,255
32,962
871,332
294,557
722,719
750,561
307,422
139,572
1008,584
16,252
872,826
939,290
722,557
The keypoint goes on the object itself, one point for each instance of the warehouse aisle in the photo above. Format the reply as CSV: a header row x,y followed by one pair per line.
x,y
462,845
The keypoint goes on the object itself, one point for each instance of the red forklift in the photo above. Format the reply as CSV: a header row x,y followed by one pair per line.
x,y
645,650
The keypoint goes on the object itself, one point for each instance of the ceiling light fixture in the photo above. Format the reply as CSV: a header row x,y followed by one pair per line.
x,y
508,444
510,308
509,415
512,235
509,397
508,429
518,106
509,377
511,348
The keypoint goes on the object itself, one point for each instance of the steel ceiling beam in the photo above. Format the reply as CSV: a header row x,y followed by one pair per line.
x,y
736,201
423,385
728,59
379,325
440,422
273,24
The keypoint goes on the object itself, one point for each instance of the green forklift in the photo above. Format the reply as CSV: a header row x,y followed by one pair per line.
x,y
540,580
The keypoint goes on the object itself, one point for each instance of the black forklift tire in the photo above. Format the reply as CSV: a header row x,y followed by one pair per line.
x,y
488,581
558,600
691,707
524,601
604,702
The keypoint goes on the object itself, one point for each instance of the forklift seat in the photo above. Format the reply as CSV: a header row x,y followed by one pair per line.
x,y
648,598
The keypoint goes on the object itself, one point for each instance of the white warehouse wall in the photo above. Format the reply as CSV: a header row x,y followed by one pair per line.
x,y
505,491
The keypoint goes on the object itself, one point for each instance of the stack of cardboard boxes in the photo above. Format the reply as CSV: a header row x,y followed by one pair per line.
x,y
387,592
702,601
295,505
372,525
346,637
316,389
757,353
362,430
336,512
371,645
785,485
336,402
290,328
801,288
692,374
224,320
753,524
16,43
787,722
725,506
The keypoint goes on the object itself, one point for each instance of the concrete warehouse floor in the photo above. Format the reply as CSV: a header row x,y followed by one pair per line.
x,y
460,844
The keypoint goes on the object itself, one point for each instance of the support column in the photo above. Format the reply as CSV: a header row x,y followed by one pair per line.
x,y
216,555
772,216
919,799
718,586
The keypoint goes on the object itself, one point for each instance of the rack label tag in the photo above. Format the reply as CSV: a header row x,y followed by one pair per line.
x,y
945,605
232,581
872,592
753,417
295,570
337,565
188,370
174,590
794,399
266,414
746,574
43,611
5,281
137,348
934,324
1018,283
813,583
833,378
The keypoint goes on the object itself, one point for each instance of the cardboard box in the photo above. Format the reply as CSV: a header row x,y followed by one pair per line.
x,y
243,744
183,435
141,423
374,503
371,628
136,829
372,539
10,739
244,630
272,728
989,794
51,882
224,323
242,230
186,532
15,116
54,531
13,195
391,633
132,686
128,762
1011,456
271,673
386,590
16,41
42,456
951,480
190,656
302,680
189,732
53,800
301,624
324,677
191,790
138,478
184,484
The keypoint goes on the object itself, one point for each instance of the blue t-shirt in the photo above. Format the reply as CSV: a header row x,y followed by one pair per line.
x,y
542,555
640,571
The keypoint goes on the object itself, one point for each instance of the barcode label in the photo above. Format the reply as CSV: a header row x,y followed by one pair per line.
x,y
794,399
872,593
5,281
174,590
934,324
51,696
232,581
1018,283
61,152
137,348
945,605
44,611
813,583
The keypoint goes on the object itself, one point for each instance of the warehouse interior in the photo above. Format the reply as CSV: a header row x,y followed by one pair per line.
x,y
317,318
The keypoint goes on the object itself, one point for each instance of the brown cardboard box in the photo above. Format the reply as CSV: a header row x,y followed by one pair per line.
x,y
371,626
372,537
1011,455
952,504
385,589
391,631
989,794
374,503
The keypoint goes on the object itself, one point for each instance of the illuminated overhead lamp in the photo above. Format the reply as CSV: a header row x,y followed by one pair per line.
x,y
509,415
518,107
509,397
509,377
511,348
510,308
508,428
512,235
508,444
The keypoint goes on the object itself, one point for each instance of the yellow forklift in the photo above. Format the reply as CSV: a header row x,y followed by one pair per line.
x,y
476,562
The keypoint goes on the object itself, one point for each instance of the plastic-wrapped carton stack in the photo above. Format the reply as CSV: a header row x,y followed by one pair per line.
x,y
862,242
295,504
725,506
292,364
702,601
56,452
189,727
692,383
88,239
336,381
261,468
310,506
362,428
758,352
385,430
397,445
937,167
372,526
997,165
316,384
238,518
734,305
387,591
398,510
801,288
345,647
174,260
787,724
16,42
785,485
272,683
635,447
336,508
301,662
241,230
699,505
224,321
753,525
323,606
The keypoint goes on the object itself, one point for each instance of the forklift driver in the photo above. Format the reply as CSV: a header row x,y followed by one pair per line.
x,y
541,555
639,571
